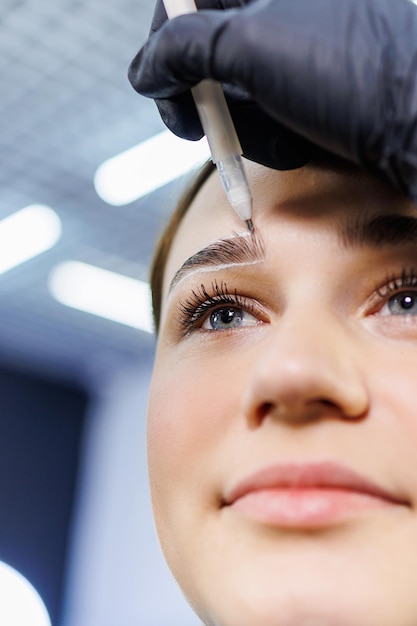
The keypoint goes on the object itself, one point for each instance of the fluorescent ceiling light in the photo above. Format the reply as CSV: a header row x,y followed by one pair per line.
x,y
103,293
20,603
147,166
27,233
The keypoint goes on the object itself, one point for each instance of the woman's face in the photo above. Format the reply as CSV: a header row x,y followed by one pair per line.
x,y
282,430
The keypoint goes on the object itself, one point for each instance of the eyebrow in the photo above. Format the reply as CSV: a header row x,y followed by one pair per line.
x,y
380,230
377,231
235,250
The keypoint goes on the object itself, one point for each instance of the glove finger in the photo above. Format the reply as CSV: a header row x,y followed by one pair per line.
x,y
178,56
179,114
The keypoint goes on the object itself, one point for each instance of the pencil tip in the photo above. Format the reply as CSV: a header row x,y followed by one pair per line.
x,y
250,226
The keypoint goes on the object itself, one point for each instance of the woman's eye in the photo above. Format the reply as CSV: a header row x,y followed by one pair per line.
x,y
226,317
403,303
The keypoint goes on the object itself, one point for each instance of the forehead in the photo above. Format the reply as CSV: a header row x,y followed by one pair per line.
x,y
324,197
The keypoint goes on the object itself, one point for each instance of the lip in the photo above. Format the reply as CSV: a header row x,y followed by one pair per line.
x,y
312,495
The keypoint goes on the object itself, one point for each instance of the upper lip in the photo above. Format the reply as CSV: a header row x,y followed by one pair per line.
x,y
325,475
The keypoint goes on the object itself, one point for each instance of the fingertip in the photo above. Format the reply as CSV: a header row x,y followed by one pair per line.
x,y
180,116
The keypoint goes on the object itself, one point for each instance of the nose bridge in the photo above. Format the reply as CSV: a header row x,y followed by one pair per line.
x,y
309,361
303,349
306,337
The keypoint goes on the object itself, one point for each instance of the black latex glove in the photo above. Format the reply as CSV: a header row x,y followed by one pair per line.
x,y
339,74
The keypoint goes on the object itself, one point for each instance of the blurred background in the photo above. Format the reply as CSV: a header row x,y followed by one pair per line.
x,y
77,229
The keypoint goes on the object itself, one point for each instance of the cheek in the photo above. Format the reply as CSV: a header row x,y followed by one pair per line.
x,y
190,417
400,391
392,378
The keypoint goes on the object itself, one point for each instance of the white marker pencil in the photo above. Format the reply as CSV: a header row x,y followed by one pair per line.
x,y
220,131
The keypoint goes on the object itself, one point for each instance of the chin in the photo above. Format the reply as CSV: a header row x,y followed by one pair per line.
x,y
248,575
294,611
314,600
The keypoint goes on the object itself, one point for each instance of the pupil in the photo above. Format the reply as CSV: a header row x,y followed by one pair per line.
x,y
226,316
407,302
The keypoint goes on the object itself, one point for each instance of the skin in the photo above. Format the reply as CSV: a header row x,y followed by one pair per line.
x,y
320,370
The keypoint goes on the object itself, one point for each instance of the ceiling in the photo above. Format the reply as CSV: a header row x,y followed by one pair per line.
x,y
66,106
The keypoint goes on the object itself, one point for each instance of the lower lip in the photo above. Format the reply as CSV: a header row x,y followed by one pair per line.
x,y
305,508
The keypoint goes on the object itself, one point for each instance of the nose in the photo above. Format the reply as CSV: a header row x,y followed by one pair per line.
x,y
308,367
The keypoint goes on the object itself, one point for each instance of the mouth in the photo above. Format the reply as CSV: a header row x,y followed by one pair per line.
x,y
308,496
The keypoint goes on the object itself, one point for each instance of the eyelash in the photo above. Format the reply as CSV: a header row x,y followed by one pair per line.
x,y
194,308
407,279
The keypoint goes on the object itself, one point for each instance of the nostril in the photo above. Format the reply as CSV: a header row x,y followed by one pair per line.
x,y
294,411
265,409
326,402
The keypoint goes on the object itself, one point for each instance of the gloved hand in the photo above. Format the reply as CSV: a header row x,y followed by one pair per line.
x,y
338,74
